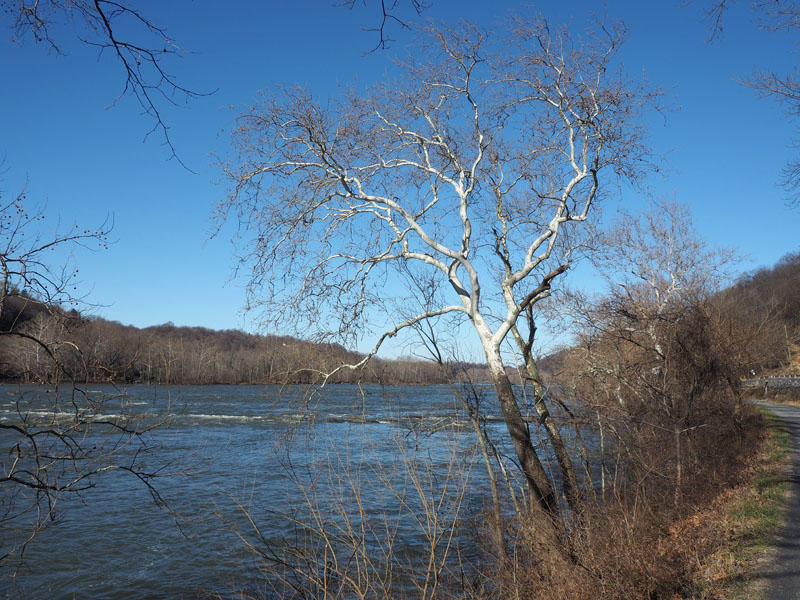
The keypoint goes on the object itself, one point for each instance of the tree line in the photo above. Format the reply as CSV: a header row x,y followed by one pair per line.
x,y
55,344
766,300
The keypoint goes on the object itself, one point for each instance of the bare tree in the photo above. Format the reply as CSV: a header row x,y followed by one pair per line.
x,y
61,441
478,165
655,360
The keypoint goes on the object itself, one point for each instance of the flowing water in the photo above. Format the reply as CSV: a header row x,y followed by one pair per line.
x,y
231,458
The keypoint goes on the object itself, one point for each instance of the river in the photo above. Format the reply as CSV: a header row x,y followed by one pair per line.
x,y
229,454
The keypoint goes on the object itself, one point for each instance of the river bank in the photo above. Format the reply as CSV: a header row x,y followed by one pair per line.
x,y
745,520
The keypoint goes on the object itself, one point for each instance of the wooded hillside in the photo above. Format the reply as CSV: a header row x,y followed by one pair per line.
x,y
761,314
767,301
94,349
763,305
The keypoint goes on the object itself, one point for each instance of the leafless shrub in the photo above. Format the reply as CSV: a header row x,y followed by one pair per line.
x,y
365,522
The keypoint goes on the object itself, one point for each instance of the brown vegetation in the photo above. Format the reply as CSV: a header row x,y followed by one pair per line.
x,y
656,368
765,306
94,349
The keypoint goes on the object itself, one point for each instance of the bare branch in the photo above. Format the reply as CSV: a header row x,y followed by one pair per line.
x,y
476,172
143,63
388,16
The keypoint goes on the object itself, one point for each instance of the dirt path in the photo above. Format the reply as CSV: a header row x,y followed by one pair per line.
x,y
784,573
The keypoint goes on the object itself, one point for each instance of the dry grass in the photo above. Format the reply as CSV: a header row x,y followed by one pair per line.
x,y
745,519
712,547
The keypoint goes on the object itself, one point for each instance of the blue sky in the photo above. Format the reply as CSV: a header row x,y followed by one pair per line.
x,y
723,147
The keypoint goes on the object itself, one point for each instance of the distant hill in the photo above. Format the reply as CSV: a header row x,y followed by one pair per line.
x,y
19,309
767,301
762,308
95,349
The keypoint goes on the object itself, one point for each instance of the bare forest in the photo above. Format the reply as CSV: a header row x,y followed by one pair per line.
x,y
457,196
90,349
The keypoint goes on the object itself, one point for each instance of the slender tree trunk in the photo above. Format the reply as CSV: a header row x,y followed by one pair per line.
x,y
497,528
539,486
567,468
602,458
542,534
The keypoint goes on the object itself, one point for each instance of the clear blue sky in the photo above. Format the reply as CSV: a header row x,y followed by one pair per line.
x,y
724,147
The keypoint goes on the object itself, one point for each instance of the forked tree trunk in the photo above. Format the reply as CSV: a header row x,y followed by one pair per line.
x,y
542,533
565,464
539,486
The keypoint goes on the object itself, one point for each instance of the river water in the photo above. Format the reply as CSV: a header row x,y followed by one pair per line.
x,y
233,458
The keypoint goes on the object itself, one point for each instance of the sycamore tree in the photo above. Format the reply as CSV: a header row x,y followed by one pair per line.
x,y
474,170
658,355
